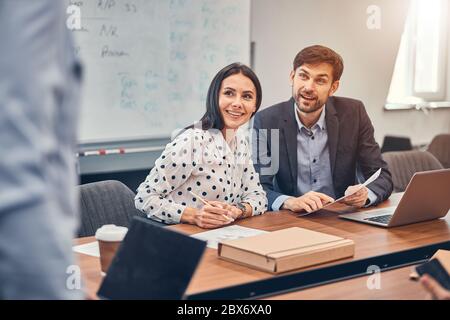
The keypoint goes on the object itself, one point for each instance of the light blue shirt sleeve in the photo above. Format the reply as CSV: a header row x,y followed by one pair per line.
x,y
372,198
276,205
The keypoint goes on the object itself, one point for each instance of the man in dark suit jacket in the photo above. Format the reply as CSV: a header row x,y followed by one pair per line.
x,y
310,147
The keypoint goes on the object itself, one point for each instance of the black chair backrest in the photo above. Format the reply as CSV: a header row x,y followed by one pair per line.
x,y
391,143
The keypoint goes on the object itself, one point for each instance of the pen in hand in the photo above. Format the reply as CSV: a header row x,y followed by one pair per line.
x,y
206,203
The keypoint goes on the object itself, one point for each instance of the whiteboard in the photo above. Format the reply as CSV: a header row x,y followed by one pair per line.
x,y
148,63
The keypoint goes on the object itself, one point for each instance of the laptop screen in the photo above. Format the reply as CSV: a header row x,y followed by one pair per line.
x,y
152,263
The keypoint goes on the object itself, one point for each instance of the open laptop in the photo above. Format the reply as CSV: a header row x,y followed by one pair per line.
x,y
426,197
152,262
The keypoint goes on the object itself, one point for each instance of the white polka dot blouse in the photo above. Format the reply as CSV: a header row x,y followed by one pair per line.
x,y
200,161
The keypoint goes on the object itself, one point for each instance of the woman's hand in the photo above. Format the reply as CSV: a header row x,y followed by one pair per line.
x,y
234,212
208,217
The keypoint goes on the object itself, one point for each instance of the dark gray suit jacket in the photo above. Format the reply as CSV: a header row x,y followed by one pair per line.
x,y
351,143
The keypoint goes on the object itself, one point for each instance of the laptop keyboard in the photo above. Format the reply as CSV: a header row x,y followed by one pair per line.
x,y
384,219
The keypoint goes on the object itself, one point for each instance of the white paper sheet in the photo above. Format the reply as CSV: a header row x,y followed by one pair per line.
x,y
90,249
226,233
371,179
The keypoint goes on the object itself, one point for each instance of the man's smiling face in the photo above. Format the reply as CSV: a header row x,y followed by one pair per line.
x,y
312,85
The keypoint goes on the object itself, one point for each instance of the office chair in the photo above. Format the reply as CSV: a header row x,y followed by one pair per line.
x,y
106,202
440,148
391,143
403,165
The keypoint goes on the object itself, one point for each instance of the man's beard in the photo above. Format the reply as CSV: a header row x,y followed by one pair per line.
x,y
310,108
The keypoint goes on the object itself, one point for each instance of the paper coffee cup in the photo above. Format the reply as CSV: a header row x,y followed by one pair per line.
x,y
109,238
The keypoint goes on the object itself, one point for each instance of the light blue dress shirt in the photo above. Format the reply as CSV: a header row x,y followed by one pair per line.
x,y
313,161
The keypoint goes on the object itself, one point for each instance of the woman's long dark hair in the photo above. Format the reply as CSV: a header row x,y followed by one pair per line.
x,y
212,119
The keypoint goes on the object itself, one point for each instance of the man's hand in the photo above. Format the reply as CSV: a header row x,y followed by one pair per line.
x,y
434,288
359,198
308,202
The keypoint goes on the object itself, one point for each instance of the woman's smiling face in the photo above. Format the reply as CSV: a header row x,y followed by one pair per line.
x,y
237,100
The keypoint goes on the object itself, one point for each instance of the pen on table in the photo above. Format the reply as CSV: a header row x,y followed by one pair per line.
x,y
206,203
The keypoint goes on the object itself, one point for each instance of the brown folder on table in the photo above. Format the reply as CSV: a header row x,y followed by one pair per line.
x,y
285,250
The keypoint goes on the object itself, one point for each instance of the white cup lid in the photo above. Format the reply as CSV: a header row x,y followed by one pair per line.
x,y
111,232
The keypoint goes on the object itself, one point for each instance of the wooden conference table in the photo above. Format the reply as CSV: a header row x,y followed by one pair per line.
x,y
213,273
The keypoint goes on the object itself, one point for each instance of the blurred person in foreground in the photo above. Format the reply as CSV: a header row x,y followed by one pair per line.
x,y
39,86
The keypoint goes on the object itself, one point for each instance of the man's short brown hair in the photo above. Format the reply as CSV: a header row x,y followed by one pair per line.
x,y
320,54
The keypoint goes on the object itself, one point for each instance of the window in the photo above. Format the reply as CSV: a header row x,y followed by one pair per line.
x,y
420,69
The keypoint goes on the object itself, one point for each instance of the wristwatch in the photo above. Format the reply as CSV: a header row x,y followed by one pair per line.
x,y
243,208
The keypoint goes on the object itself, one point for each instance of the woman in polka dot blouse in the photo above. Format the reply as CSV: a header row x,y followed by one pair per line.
x,y
210,160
